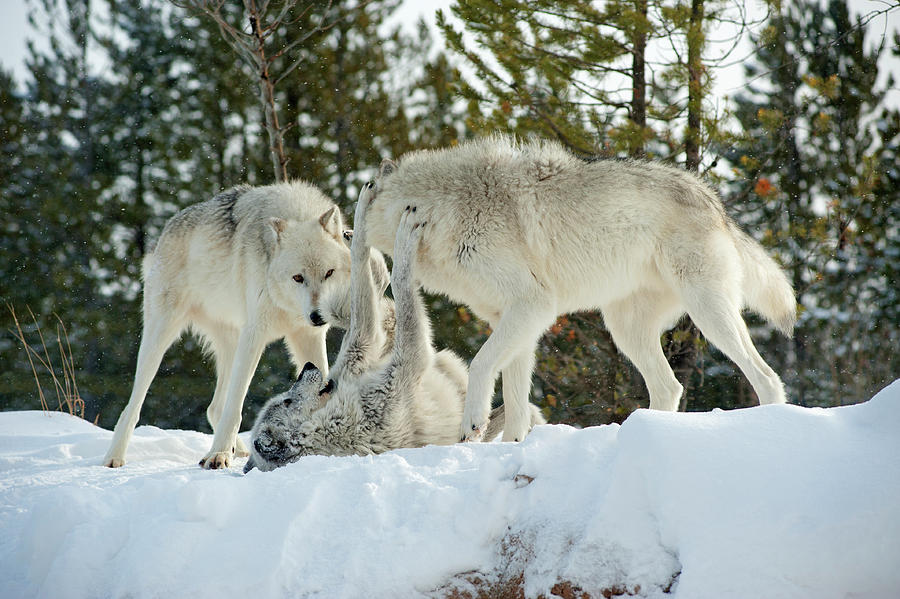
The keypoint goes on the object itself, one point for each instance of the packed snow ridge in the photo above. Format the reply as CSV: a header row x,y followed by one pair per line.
x,y
772,501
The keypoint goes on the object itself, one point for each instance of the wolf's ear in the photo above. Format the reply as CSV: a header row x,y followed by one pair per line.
x,y
388,166
278,225
274,229
331,222
250,465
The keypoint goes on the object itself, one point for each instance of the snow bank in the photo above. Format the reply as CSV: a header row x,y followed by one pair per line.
x,y
775,501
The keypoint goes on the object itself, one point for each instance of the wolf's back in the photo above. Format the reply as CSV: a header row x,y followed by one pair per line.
x,y
765,286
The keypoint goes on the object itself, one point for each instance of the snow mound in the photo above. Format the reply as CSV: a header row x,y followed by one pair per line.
x,y
774,501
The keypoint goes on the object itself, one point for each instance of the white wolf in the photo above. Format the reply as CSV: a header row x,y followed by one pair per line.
x,y
246,268
524,232
388,388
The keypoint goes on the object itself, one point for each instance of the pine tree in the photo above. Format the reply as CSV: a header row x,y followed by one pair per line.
x,y
63,163
844,148
817,188
105,156
550,67
16,245
343,117
13,244
68,131
218,107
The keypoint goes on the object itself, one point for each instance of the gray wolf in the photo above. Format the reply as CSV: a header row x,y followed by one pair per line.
x,y
241,270
388,388
524,232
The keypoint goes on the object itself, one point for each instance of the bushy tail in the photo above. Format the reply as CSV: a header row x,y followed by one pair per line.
x,y
765,287
498,421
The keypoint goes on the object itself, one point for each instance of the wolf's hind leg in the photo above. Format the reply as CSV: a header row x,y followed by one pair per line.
x,y
413,352
223,344
159,332
720,321
636,324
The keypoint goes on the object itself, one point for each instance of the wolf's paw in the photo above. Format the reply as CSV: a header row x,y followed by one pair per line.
x,y
406,245
515,433
366,195
409,231
473,435
216,460
357,239
114,462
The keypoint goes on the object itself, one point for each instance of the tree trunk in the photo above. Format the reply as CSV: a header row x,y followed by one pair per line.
x,y
695,42
638,76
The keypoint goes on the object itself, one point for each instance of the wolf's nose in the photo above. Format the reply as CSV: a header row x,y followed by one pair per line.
x,y
307,366
316,318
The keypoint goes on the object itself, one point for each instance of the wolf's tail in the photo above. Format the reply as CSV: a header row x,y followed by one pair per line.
x,y
498,421
765,287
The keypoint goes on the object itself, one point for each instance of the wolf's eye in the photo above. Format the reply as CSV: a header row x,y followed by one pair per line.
x,y
298,278
329,273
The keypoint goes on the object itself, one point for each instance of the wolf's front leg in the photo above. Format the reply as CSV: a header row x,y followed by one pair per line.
x,y
249,351
518,330
365,337
516,386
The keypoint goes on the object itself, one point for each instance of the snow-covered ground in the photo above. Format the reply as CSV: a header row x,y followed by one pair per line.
x,y
775,501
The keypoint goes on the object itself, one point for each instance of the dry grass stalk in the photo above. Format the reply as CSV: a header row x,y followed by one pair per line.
x,y
67,395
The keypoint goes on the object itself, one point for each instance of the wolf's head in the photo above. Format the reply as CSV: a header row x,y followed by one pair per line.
x,y
308,260
292,425
283,431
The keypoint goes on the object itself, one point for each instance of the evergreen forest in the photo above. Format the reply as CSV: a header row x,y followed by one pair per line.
x,y
133,110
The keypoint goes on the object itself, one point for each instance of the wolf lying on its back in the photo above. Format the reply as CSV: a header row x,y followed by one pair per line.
x,y
525,232
243,269
383,393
